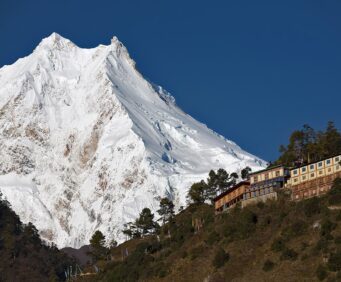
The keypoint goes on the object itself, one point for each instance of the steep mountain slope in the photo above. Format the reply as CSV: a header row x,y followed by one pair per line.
x,y
87,142
278,240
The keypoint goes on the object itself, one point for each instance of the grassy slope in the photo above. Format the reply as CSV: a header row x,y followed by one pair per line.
x,y
248,237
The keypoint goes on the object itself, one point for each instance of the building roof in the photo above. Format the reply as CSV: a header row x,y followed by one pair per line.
x,y
266,169
231,190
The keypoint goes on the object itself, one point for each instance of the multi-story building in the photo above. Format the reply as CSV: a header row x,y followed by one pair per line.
x,y
315,178
230,197
264,184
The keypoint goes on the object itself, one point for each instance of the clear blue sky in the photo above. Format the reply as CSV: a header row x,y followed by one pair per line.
x,y
251,70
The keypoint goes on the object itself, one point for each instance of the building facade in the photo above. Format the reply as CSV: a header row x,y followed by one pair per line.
x,y
265,183
314,179
230,197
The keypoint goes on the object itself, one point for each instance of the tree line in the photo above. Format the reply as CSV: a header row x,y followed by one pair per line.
x,y
201,192
308,145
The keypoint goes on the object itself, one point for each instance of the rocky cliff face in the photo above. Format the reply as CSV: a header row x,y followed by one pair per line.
x,y
86,142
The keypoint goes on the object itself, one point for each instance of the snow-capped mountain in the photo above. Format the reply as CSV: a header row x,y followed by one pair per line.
x,y
86,142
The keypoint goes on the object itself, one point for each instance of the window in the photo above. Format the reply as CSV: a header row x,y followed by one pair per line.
x,y
295,172
312,167
255,178
304,169
337,159
277,173
329,169
328,162
321,171
312,175
304,177
320,164
295,179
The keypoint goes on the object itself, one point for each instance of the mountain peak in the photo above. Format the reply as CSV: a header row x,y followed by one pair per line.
x,y
56,41
87,142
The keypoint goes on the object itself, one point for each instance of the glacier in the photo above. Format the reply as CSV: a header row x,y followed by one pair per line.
x,y
86,142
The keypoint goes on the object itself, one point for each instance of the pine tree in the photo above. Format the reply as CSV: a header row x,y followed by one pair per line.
x,y
197,193
166,210
97,243
219,182
332,141
307,145
145,223
245,172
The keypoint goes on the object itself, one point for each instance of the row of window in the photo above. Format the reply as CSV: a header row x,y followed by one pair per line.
x,y
319,165
313,174
266,176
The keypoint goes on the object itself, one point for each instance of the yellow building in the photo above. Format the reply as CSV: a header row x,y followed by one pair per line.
x,y
277,173
315,178
264,184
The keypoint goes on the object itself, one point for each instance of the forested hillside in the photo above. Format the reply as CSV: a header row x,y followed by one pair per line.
x,y
276,241
23,256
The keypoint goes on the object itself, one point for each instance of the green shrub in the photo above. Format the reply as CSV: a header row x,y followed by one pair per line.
x,y
267,220
240,224
268,265
288,254
220,258
321,273
334,262
304,245
196,252
311,207
212,238
304,257
295,229
326,227
183,254
338,276
337,240
160,270
260,205
322,245
338,216
334,194
166,253
278,245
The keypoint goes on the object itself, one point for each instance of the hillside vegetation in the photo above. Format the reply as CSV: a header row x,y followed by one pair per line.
x,y
23,256
276,241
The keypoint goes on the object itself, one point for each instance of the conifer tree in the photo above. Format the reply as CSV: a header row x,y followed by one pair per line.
x,y
97,243
245,172
145,223
166,210
197,194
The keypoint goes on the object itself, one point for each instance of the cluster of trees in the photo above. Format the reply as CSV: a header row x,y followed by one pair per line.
x,y
308,145
24,256
144,225
216,183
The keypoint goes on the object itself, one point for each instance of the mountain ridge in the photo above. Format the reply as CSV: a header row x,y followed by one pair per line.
x,y
87,142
